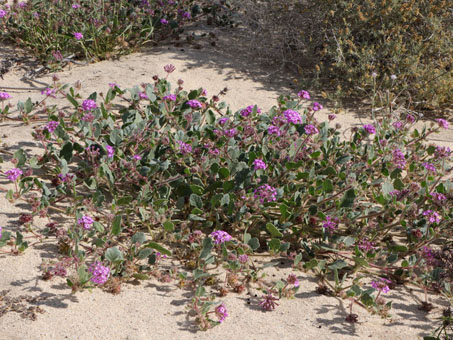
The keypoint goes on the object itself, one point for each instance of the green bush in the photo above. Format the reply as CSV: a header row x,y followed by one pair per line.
x,y
343,43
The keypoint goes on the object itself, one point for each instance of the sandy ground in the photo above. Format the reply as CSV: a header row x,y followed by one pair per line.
x,y
152,310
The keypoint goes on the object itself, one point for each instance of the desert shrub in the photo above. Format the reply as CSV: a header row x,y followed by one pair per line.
x,y
342,43
94,29
152,171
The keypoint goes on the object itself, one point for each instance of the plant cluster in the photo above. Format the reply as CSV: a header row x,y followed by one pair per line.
x,y
154,171
95,29
345,42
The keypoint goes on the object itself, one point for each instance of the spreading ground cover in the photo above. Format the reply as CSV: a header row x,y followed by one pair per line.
x,y
155,171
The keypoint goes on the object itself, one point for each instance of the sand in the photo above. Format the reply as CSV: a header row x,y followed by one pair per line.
x,y
154,310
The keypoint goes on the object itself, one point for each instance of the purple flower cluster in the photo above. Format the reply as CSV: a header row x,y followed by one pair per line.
x,y
330,223
78,35
399,159
51,126
169,68
273,130
317,106
137,157
259,164
230,133
399,194
442,151
310,129
438,196
221,312
292,117
366,245
265,193
170,97
381,285
88,105
433,216
143,95
248,111
48,92
268,303
397,125
100,273
2,13
369,128
223,120
220,236
66,178
184,148
13,174
86,222
110,151
428,255
194,104
303,94
4,95
442,123
430,167
75,6
292,280
88,117
243,258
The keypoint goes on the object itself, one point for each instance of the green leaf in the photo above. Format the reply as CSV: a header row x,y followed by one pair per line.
x,y
159,248
224,173
21,158
196,189
274,245
348,199
207,248
254,243
225,200
72,101
113,255
327,186
116,225
339,264
125,200
196,201
273,230
169,226
66,152
398,184
138,238
140,276
144,253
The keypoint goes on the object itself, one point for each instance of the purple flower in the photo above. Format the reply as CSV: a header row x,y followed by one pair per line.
x,y
22,4
292,117
222,121
78,35
2,13
194,104
110,151
310,129
113,85
303,94
397,125
4,95
265,193
51,126
48,92
438,196
204,92
66,178
331,117
75,6
248,111
143,95
430,167
433,216
442,123
273,130
86,222
317,106
88,117
88,105
428,255
186,15
221,312
369,128
366,245
169,68
14,174
137,157
410,118
381,285
100,273
398,159
243,258
292,280
220,236
230,133
268,302
330,223
184,148
259,164
442,151
170,97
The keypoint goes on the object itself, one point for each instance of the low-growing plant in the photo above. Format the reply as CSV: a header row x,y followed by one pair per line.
x,y
95,29
151,171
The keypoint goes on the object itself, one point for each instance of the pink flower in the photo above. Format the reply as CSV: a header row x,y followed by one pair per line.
x,y
170,97
113,85
230,133
330,223
248,111
369,128
169,68
137,157
221,312
433,216
273,130
259,164
397,125
292,280
110,151
430,167
88,117
292,117
100,273
86,222
303,94
399,159
75,6
184,148
88,105
438,196
51,126
243,258
164,21
143,95
14,174
410,118
194,104
442,123
48,92
310,129
381,285
220,236
222,121
4,95
331,117
78,35
2,13
265,193
317,106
